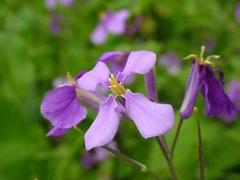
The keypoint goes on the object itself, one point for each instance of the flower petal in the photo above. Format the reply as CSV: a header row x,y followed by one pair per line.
x,y
55,131
117,21
61,107
234,93
140,62
191,92
216,101
99,35
104,127
152,119
111,56
97,76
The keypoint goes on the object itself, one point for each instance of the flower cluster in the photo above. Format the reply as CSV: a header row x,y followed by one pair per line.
x,y
104,89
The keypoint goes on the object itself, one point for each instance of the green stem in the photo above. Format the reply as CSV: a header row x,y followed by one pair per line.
x,y
200,149
176,137
164,147
131,161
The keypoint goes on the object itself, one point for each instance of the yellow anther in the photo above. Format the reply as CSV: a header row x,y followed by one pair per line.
x,y
200,58
116,87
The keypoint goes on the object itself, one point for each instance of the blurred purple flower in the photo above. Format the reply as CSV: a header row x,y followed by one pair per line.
x,y
51,4
216,101
172,62
92,158
151,119
110,22
55,24
237,12
234,93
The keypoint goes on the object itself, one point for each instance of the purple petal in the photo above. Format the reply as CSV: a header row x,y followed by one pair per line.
x,y
97,76
111,56
50,4
216,101
152,119
116,60
99,35
234,93
140,62
116,21
151,87
55,131
61,107
191,92
104,127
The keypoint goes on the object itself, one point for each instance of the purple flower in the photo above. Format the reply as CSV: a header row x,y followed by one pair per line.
x,y
237,12
55,24
234,93
202,78
172,62
110,22
51,4
62,108
151,119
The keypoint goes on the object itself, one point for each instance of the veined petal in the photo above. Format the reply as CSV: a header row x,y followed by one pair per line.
x,y
99,35
191,92
111,56
216,101
152,119
104,127
61,107
116,22
138,62
97,76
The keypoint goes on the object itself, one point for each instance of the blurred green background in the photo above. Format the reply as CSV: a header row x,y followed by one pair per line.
x,y
32,56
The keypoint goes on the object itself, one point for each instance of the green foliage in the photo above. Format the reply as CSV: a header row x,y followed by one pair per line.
x,y
31,57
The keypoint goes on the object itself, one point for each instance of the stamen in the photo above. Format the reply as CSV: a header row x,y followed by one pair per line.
x,y
210,60
116,87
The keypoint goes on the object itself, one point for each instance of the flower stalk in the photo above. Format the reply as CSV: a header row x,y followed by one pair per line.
x,y
200,147
142,167
133,162
179,126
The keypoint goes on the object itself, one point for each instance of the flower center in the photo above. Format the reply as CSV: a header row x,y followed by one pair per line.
x,y
201,60
116,87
